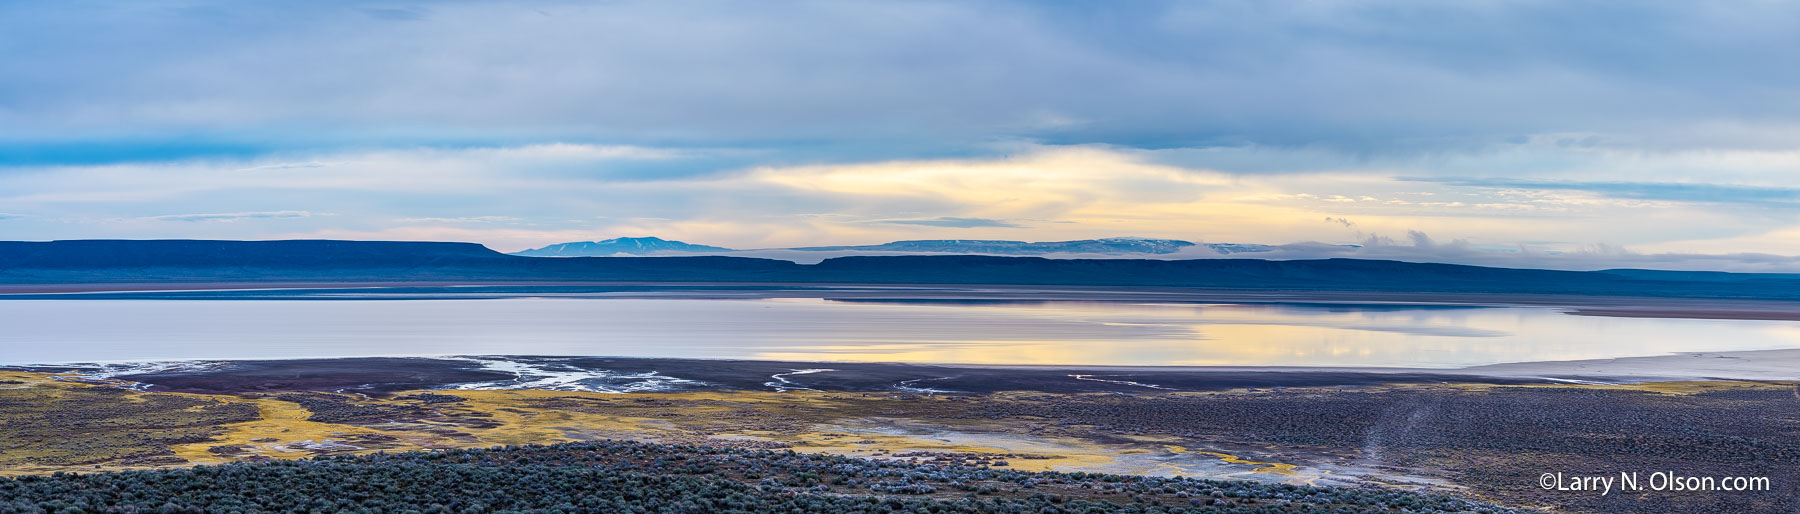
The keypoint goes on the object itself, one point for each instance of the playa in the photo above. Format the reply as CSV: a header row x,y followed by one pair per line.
x,y
1478,433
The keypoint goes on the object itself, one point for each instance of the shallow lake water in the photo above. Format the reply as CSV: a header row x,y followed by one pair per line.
x,y
1087,333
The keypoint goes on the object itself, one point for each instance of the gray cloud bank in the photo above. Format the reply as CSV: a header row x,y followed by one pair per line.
x,y
1673,191
231,216
914,77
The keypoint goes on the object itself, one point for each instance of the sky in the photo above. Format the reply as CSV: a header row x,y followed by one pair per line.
x,y
1528,133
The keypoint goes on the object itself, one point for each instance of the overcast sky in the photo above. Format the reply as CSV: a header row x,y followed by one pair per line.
x,y
1463,131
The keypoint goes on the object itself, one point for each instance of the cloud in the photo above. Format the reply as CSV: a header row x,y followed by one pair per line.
x,y
292,166
463,219
1656,125
1411,77
231,216
397,14
536,194
953,222
1671,191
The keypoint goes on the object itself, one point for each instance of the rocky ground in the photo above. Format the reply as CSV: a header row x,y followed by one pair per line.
x,y
617,476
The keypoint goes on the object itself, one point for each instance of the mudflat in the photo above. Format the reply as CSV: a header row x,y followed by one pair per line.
x,y
1485,437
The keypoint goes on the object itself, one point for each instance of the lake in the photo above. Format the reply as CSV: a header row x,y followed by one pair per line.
x,y
1088,333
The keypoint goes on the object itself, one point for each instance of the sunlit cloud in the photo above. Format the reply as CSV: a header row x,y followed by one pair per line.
x,y
953,222
513,198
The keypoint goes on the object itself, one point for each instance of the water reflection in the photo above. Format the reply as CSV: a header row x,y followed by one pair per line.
x,y
811,329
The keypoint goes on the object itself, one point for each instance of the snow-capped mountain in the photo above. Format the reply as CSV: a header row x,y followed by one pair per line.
x,y
616,246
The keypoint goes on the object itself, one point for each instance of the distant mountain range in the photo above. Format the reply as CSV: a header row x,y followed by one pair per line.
x,y
616,246
1103,246
1111,245
142,263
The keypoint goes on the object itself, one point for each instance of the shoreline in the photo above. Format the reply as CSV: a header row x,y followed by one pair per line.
x,y
634,374
1576,305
